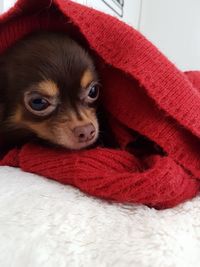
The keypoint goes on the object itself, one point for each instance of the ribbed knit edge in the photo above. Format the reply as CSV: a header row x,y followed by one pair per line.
x,y
114,176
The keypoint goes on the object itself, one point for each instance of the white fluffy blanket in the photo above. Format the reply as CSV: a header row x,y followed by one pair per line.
x,y
46,224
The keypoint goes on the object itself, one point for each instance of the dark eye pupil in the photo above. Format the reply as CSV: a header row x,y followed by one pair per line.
x,y
39,104
93,93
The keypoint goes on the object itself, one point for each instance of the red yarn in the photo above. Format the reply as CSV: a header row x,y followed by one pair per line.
x,y
142,91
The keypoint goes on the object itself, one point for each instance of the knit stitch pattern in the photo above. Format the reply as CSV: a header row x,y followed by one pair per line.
x,y
142,91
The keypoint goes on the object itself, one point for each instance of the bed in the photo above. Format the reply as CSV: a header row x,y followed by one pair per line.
x,y
46,224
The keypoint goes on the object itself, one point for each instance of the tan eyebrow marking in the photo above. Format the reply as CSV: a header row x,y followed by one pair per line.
x,y
49,88
86,78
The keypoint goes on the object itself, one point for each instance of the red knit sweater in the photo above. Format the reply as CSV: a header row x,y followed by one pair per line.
x,y
142,91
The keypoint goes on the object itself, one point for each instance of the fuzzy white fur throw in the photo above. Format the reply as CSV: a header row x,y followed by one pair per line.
x,y
46,224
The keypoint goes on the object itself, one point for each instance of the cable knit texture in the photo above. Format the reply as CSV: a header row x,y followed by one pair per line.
x,y
142,92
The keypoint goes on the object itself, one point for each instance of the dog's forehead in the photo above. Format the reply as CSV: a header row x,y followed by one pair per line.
x,y
52,64
70,71
51,88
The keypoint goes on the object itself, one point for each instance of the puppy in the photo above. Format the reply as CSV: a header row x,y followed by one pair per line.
x,y
48,90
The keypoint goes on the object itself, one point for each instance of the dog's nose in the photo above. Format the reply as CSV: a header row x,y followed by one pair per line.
x,y
84,133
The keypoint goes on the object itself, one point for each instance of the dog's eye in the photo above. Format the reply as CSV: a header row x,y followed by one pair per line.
x,y
93,92
38,104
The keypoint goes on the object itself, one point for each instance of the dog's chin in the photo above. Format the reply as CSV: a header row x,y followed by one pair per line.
x,y
80,145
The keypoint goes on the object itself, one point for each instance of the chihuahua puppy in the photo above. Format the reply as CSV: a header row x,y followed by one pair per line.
x,y
48,90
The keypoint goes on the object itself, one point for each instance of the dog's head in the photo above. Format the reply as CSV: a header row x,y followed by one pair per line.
x,y
49,89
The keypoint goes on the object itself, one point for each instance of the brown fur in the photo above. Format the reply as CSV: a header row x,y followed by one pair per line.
x,y
57,68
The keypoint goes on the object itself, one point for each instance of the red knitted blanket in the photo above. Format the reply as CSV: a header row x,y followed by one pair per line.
x,y
142,92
